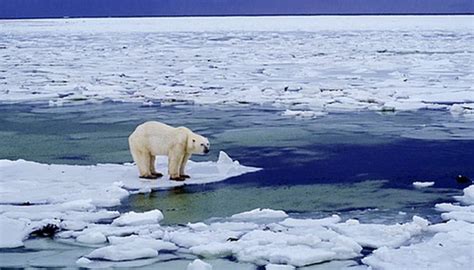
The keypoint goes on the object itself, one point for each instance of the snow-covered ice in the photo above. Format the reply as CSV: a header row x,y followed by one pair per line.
x,y
307,66
12,232
198,265
132,218
259,214
378,235
137,248
262,237
279,242
451,246
102,185
420,184
272,266
74,196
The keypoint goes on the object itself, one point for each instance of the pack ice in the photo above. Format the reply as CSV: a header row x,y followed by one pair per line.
x,y
73,198
307,66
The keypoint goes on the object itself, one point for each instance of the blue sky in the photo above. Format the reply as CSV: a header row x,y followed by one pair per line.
x,y
104,8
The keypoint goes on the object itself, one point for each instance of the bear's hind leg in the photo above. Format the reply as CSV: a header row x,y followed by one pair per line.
x,y
143,163
152,167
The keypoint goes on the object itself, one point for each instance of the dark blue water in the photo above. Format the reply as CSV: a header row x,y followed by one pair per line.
x,y
400,162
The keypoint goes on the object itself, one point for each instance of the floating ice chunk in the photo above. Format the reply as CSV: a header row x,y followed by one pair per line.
x,y
83,261
303,114
73,225
260,214
12,232
42,183
451,225
456,212
132,218
215,249
43,192
462,109
378,235
450,247
92,238
460,96
272,266
293,222
447,207
90,216
423,184
200,226
224,159
233,226
459,215
198,265
450,250
122,253
131,249
468,197
78,205
297,255
298,246
186,238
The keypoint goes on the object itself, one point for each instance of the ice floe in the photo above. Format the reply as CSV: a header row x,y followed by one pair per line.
x,y
132,218
12,232
271,238
449,248
198,265
260,214
74,197
359,62
132,249
378,235
419,184
261,237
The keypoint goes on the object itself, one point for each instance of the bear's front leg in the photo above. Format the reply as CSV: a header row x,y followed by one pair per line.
x,y
183,166
174,163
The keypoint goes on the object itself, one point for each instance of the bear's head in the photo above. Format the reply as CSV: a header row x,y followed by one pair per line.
x,y
198,144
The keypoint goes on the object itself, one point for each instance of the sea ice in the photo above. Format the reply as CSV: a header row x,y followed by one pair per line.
x,y
258,60
379,235
92,238
468,197
260,214
12,232
423,184
449,248
137,248
198,265
272,266
132,218
72,197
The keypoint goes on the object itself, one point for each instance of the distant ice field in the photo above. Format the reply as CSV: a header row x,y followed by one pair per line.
x,y
360,126
306,65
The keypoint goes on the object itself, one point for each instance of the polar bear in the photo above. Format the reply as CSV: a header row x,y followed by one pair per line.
x,y
153,138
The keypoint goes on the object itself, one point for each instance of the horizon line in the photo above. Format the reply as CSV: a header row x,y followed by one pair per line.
x,y
238,15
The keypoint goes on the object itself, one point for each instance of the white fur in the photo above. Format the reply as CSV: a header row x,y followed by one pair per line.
x,y
153,138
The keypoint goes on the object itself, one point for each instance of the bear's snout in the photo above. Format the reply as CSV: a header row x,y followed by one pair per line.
x,y
206,150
